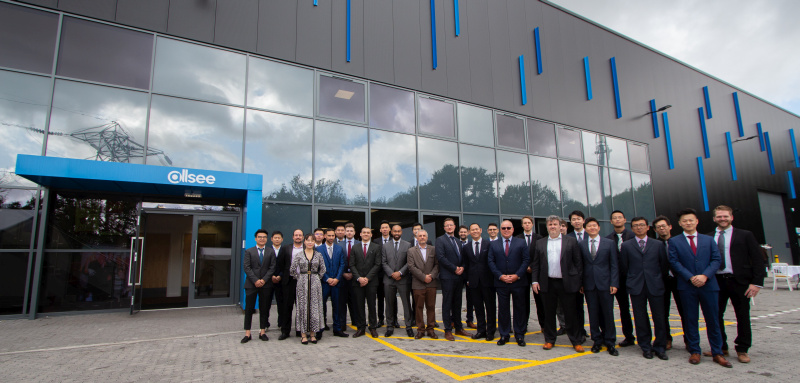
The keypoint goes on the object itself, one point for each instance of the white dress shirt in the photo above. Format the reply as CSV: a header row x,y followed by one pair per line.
x,y
554,257
424,252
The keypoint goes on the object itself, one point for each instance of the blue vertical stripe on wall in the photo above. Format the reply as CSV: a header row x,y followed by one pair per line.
x,y
702,182
315,3
522,86
654,115
730,155
348,30
738,114
769,153
760,136
790,180
704,132
794,149
458,19
588,78
668,140
538,50
433,34
708,102
616,86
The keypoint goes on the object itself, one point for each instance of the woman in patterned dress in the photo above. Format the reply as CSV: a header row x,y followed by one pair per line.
x,y
308,271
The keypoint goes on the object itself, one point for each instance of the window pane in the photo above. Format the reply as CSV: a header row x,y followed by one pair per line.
x,y
438,175
97,123
436,117
510,131
196,71
27,38
391,108
342,99
617,153
279,148
84,281
514,181
340,165
99,52
286,219
478,179
599,188
621,187
569,143
393,169
281,87
482,220
592,148
16,218
195,134
573,187
643,195
475,125
23,113
78,221
541,138
544,182
638,157
12,282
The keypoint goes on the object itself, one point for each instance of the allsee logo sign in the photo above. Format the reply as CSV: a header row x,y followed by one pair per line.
x,y
186,177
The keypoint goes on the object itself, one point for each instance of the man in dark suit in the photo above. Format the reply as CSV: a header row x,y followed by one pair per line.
x,y
576,219
645,262
288,284
663,229
451,279
424,269
385,237
695,259
365,262
395,282
480,284
275,281
530,238
347,298
558,273
600,282
508,261
740,277
622,234
259,265
463,235
334,258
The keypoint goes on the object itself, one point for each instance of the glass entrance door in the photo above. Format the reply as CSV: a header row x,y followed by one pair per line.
x,y
135,266
213,248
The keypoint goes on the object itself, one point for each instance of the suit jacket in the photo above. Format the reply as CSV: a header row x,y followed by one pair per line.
x,y
571,264
534,237
686,264
395,261
516,262
626,235
477,270
419,268
284,262
368,265
746,259
585,235
334,263
648,268
255,269
449,257
343,244
602,272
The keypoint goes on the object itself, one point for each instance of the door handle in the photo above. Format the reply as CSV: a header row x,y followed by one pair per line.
x,y
141,259
194,262
131,260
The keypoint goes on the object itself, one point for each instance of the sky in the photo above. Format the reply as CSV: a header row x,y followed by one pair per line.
x,y
751,44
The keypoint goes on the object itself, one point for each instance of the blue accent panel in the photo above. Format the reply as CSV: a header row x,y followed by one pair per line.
x,y
522,84
668,140
315,3
708,102
654,115
616,86
702,182
769,153
703,131
730,155
738,114
588,74
790,180
794,149
252,222
760,136
433,34
348,30
538,44
458,18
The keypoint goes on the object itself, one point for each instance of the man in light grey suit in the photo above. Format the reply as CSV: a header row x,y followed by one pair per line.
x,y
395,279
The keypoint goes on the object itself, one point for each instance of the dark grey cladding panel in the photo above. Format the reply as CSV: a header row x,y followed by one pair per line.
x,y
277,29
192,19
480,51
521,44
100,9
538,85
572,81
145,14
43,3
504,69
433,81
407,35
457,52
552,60
237,24
314,34
339,37
378,40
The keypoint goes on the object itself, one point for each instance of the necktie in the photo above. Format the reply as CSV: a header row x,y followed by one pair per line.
x,y
365,251
507,247
260,256
580,237
721,245
692,244
619,241
641,245
455,244
528,239
349,249
330,251
594,249
477,248
396,246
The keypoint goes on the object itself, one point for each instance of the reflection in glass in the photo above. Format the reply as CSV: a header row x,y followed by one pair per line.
x,y
438,175
341,164
623,195
84,281
286,218
599,189
391,108
478,179
281,87
12,282
475,125
279,148
643,195
16,218
515,187
638,157
544,183
103,53
98,123
80,222
436,117
606,228
24,101
393,169
569,143
196,134
617,153
341,98
541,138
196,71
593,147
482,220
510,131
573,187
213,267
27,38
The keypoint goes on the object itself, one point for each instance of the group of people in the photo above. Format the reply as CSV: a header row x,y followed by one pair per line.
x,y
561,269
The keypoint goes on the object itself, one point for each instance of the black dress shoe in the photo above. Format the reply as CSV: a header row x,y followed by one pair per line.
x,y
358,333
389,332
613,351
263,337
326,328
341,334
297,334
410,332
627,342
490,336
521,342
560,331
479,335
503,340
662,355
373,333
318,335
283,336
246,339
647,354
596,348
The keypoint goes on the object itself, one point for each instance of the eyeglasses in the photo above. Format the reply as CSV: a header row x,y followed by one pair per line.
x,y
261,237
506,228
639,225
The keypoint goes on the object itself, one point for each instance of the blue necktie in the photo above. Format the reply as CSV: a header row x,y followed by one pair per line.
x,y
458,253
260,256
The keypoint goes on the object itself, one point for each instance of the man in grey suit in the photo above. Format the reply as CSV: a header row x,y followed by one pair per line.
x,y
365,263
600,283
395,280
424,270
259,265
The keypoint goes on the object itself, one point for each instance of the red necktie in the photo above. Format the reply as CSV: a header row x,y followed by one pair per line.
x,y
349,249
365,251
691,243
507,248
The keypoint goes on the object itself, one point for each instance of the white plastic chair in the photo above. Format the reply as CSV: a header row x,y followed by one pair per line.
x,y
777,274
